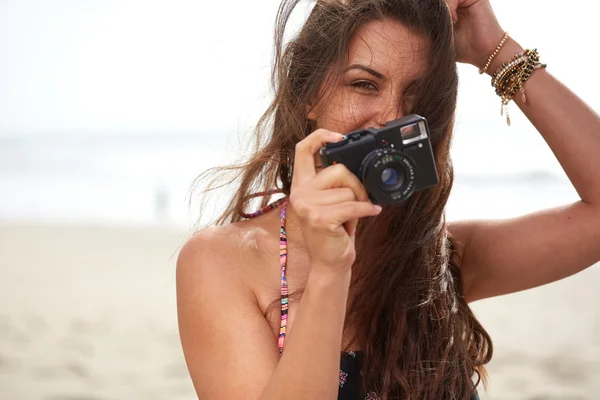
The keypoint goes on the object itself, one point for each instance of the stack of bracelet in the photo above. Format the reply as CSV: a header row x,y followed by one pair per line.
x,y
512,75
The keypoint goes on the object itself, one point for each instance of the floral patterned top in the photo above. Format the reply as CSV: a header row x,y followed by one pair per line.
x,y
350,379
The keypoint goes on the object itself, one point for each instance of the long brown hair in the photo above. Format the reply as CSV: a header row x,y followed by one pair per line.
x,y
406,307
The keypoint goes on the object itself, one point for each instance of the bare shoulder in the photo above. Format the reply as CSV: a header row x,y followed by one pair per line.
x,y
203,250
225,252
220,322
204,272
209,259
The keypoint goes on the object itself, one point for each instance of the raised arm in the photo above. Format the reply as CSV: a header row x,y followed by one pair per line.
x,y
500,257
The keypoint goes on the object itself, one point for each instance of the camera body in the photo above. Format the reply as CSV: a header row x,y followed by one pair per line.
x,y
392,162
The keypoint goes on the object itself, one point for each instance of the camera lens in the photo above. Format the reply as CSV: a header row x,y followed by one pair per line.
x,y
392,179
388,175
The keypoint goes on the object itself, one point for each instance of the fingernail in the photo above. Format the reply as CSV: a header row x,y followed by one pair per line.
x,y
377,208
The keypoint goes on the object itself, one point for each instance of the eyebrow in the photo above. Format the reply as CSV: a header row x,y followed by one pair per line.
x,y
371,71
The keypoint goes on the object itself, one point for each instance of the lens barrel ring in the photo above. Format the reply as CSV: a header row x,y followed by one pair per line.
x,y
372,170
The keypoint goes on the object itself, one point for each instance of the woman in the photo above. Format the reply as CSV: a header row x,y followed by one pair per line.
x,y
387,287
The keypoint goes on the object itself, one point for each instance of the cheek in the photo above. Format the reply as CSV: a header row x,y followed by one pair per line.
x,y
344,112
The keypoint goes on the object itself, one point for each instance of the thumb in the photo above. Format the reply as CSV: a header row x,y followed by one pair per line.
x,y
350,227
452,7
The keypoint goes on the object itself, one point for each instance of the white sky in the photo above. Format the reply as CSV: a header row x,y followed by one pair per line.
x,y
133,66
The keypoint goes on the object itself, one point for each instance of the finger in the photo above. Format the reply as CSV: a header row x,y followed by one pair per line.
x,y
334,196
304,163
350,227
338,176
344,213
452,7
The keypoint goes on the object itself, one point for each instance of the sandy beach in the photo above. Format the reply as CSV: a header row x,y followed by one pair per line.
x,y
88,313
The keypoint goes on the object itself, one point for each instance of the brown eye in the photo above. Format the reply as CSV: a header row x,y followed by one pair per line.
x,y
364,85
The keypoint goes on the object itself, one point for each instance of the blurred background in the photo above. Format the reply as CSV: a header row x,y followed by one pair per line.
x,y
109,110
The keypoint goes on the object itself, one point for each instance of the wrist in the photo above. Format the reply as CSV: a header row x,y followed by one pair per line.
x,y
510,49
327,276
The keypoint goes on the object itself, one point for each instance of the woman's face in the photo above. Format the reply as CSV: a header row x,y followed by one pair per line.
x,y
384,61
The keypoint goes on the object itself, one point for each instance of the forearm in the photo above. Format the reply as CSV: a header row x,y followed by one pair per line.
x,y
568,125
309,366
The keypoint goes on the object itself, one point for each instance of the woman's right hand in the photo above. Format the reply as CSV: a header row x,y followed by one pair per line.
x,y
328,204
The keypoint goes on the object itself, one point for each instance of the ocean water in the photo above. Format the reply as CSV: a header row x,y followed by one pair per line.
x,y
146,179
126,179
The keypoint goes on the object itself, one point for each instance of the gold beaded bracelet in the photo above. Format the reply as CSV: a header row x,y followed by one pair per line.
x,y
494,54
512,75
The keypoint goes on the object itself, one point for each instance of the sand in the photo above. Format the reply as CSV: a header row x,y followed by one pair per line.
x,y
89,313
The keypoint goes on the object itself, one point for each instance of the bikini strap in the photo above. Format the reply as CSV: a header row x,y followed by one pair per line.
x,y
268,207
284,285
282,256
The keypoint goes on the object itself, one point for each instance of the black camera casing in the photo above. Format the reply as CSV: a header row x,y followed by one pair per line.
x,y
401,149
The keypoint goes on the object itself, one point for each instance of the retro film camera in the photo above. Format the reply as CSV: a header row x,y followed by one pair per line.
x,y
392,162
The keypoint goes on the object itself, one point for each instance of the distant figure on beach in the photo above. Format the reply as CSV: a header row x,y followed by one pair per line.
x,y
349,282
161,204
